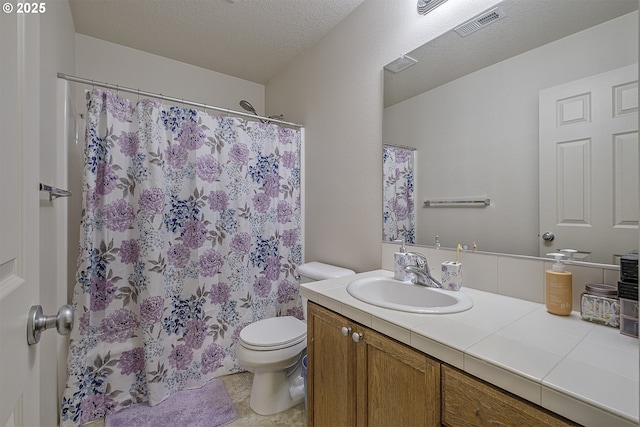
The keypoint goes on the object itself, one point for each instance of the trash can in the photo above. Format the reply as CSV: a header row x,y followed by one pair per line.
x,y
304,375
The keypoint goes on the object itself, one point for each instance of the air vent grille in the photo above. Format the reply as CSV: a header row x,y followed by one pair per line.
x,y
400,64
426,6
480,21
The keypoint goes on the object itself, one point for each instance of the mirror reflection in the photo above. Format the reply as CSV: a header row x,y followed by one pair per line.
x,y
398,215
478,107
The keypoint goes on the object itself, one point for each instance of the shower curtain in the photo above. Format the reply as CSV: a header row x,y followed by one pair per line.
x,y
398,216
190,231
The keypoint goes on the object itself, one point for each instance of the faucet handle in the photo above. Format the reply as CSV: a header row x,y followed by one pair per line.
x,y
421,260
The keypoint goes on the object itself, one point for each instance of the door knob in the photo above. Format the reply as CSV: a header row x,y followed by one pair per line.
x,y
346,330
356,336
548,236
38,322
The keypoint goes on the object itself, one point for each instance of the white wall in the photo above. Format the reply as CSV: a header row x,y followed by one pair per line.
x,y
116,64
478,136
57,54
335,90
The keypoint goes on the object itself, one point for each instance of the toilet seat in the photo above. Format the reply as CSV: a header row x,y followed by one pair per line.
x,y
273,334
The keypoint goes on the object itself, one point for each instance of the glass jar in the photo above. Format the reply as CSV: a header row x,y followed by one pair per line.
x,y
600,304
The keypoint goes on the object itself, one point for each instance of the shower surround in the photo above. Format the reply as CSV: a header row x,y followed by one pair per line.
x,y
190,231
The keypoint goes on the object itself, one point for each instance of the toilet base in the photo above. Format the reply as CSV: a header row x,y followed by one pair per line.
x,y
270,392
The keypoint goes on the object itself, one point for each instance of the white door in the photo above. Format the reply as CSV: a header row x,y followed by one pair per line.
x,y
589,166
19,271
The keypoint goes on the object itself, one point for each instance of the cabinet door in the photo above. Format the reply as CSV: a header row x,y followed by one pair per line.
x,y
331,385
468,401
397,385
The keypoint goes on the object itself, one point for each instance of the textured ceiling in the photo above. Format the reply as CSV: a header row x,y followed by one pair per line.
x,y
248,39
528,24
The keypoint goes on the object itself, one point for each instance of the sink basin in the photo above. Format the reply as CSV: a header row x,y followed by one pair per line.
x,y
405,296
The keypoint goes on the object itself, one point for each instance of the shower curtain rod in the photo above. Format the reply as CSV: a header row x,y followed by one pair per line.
x,y
172,99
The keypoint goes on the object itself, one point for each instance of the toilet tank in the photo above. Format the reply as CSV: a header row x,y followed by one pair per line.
x,y
314,271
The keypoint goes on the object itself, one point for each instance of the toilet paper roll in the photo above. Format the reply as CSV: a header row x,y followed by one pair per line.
x,y
451,275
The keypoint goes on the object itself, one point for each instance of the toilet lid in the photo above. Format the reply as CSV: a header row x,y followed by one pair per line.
x,y
274,333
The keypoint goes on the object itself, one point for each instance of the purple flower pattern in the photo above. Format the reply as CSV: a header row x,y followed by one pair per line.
x,y
180,357
191,135
218,200
118,215
194,234
272,269
128,143
286,292
178,255
262,287
208,168
92,199
289,238
96,406
151,310
261,202
129,251
120,108
284,212
102,293
106,179
118,326
196,333
176,156
152,200
168,257
272,185
209,263
239,153
241,243
212,358
131,361
220,293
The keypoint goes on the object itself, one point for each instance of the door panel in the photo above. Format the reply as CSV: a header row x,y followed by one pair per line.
x,y
19,142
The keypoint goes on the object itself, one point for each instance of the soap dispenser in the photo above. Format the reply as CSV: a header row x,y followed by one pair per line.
x,y
558,293
401,259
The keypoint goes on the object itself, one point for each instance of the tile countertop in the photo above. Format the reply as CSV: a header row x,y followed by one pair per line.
x,y
580,370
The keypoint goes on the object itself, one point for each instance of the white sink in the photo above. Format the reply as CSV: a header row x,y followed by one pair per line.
x,y
404,296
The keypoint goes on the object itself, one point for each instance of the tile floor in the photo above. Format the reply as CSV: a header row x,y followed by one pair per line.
x,y
239,388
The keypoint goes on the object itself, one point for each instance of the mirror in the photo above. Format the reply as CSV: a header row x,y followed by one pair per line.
x,y
470,109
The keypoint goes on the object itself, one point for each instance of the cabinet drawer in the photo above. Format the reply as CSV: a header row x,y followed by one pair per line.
x,y
468,401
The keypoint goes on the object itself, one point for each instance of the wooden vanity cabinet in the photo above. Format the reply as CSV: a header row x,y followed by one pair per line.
x,y
331,368
468,401
366,379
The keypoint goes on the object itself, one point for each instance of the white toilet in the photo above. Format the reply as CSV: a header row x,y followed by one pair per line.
x,y
273,349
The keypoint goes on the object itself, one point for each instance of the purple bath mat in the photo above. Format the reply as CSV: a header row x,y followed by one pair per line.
x,y
208,406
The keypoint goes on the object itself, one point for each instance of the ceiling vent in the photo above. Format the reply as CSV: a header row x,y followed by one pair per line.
x,y
426,6
400,64
480,21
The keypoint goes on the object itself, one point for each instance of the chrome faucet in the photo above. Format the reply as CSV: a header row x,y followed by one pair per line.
x,y
421,272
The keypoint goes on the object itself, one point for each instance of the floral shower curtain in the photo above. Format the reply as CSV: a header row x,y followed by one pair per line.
x,y
190,231
398,216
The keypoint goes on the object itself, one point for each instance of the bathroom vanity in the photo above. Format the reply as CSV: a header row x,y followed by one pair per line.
x,y
357,376
503,362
